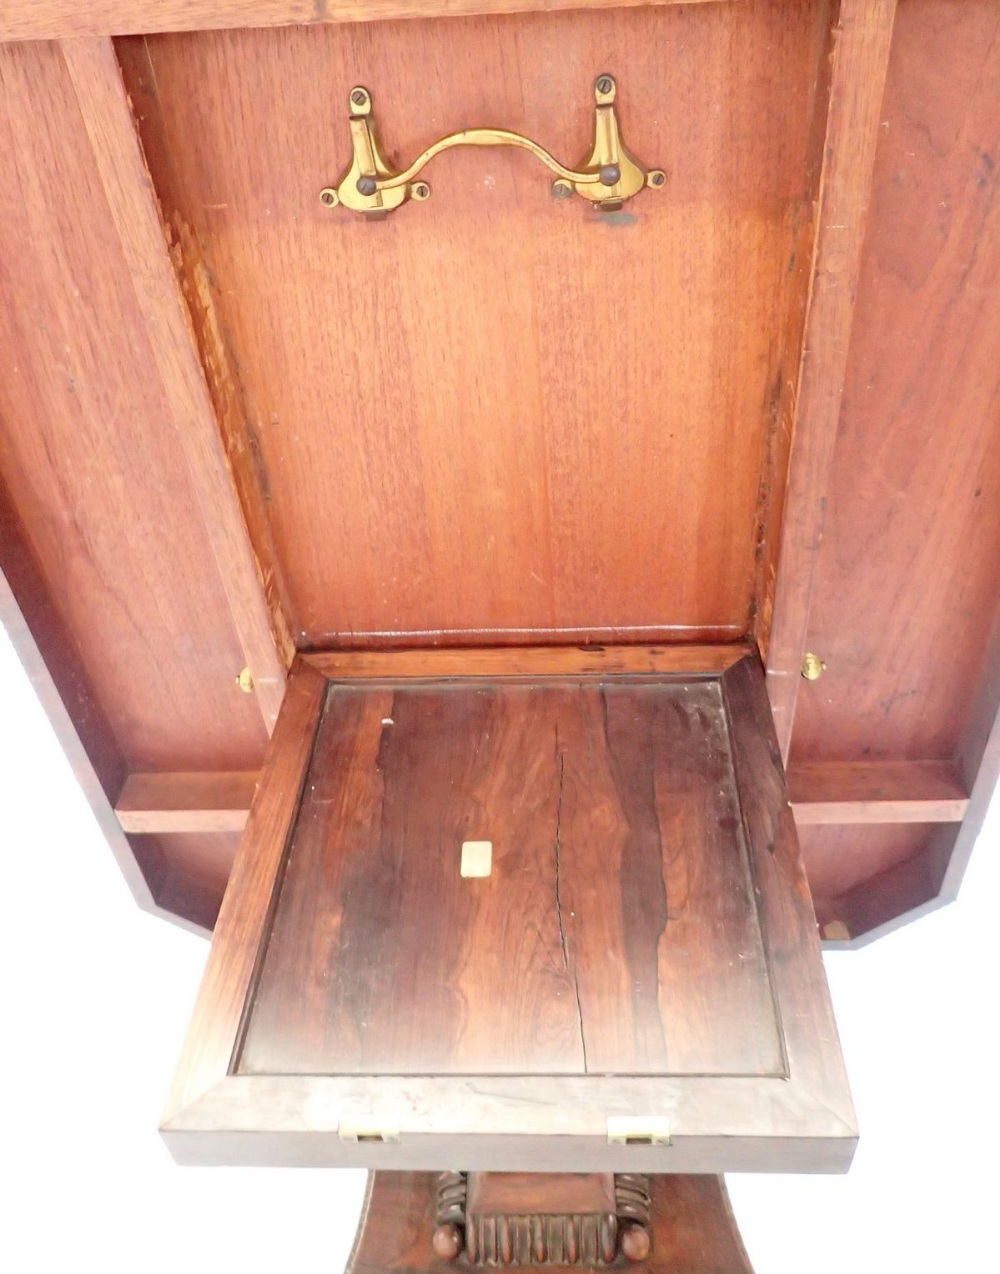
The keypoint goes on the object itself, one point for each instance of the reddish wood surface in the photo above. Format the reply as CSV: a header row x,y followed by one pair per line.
x,y
611,488
617,930
524,661
694,1230
204,802
55,19
877,792
908,576
860,58
89,450
217,1013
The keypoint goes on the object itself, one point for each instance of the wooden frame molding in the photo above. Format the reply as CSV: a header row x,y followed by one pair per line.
x,y
802,1118
862,39
58,19
133,209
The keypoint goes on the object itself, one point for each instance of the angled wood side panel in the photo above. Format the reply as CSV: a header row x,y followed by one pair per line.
x,y
860,62
104,106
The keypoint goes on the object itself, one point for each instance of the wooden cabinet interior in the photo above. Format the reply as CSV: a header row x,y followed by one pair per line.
x,y
536,484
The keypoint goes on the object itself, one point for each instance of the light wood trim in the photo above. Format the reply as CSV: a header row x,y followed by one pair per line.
x,y
203,802
215,1023
58,19
523,661
133,210
877,792
862,41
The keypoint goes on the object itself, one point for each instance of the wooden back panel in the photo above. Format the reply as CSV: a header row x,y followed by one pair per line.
x,y
494,414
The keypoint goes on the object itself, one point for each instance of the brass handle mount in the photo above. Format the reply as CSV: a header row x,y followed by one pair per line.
x,y
607,177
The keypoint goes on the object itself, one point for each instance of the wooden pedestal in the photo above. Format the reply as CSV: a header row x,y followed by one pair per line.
x,y
688,1227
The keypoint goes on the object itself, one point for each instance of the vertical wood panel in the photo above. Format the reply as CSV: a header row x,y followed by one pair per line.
x,y
96,80
860,61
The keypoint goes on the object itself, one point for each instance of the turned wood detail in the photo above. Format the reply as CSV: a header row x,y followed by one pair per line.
x,y
559,1219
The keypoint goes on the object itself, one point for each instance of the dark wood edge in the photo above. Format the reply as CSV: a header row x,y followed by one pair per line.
x,y
790,932
863,36
241,928
60,19
524,661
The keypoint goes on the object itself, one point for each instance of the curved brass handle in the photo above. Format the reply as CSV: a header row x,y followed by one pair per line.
x,y
607,177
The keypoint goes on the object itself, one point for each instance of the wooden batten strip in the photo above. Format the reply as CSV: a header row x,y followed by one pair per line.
x,y
524,661
877,792
134,211
205,802
59,19
862,40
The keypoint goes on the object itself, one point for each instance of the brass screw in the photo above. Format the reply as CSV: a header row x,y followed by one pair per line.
x,y
359,97
328,197
657,177
604,84
562,189
421,190
245,681
367,185
812,666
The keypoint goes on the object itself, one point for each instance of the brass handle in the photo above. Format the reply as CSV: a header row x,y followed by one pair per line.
x,y
607,177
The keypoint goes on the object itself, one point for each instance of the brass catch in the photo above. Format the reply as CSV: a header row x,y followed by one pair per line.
x,y
607,177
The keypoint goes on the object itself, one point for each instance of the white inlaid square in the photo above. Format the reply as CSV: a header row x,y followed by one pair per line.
x,y
477,857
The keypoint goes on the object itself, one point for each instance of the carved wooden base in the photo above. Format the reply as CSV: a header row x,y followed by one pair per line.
x,y
428,1223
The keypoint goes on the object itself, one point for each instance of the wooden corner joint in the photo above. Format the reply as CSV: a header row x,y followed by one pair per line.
x,y
542,1218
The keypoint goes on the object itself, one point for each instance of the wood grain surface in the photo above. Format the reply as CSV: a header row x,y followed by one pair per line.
x,y
89,451
694,1230
860,57
205,802
56,19
616,933
572,445
877,792
908,575
208,1046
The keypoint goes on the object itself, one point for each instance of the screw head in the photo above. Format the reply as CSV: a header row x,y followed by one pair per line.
x,y
610,174
657,178
328,197
359,97
421,190
366,185
604,84
812,666
562,189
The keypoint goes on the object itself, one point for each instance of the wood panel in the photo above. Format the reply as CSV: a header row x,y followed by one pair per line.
x,y
615,933
860,58
908,576
55,19
501,459
89,452
840,858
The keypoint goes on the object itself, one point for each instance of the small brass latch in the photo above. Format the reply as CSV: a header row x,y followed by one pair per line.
x,y
607,177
